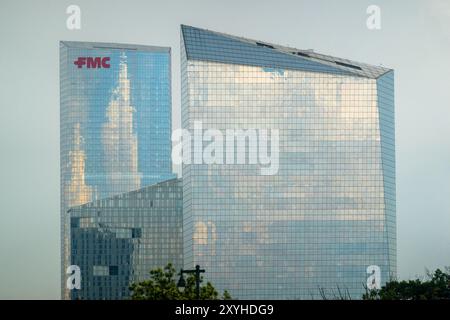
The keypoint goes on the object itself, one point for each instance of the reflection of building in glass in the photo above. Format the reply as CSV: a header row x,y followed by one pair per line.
x,y
119,140
118,240
76,189
329,212
115,124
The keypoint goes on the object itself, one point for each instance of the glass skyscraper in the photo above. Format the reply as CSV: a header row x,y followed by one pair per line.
x,y
328,213
115,124
118,240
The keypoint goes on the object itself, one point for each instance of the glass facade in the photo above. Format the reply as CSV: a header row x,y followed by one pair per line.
x,y
118,240
115,124
329,212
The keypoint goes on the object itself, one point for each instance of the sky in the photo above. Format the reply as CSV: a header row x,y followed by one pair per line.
x,y
414,40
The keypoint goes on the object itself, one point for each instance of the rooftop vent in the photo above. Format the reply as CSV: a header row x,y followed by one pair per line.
x,y
265,45
302,54
347,65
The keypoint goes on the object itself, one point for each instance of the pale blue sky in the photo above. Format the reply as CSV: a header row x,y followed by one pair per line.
x,y
414,40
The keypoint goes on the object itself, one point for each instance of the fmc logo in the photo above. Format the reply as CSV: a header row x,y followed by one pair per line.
x,y
93,62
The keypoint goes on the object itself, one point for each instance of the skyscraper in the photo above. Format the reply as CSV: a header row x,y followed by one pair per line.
x,y
325,220
115,124
118,240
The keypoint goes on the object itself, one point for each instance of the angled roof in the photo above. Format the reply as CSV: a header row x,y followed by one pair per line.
x,y
206,45
126,195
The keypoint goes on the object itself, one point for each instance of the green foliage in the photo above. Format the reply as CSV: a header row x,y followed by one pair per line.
x,y
162,285
226,295
437,286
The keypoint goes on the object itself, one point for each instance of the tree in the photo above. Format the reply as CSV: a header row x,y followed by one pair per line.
x,y
436,286
162,286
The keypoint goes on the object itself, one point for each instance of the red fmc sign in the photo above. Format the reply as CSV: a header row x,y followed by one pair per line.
x,y
92,62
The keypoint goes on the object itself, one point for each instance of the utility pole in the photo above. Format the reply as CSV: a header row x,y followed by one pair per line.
x,y
196,271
